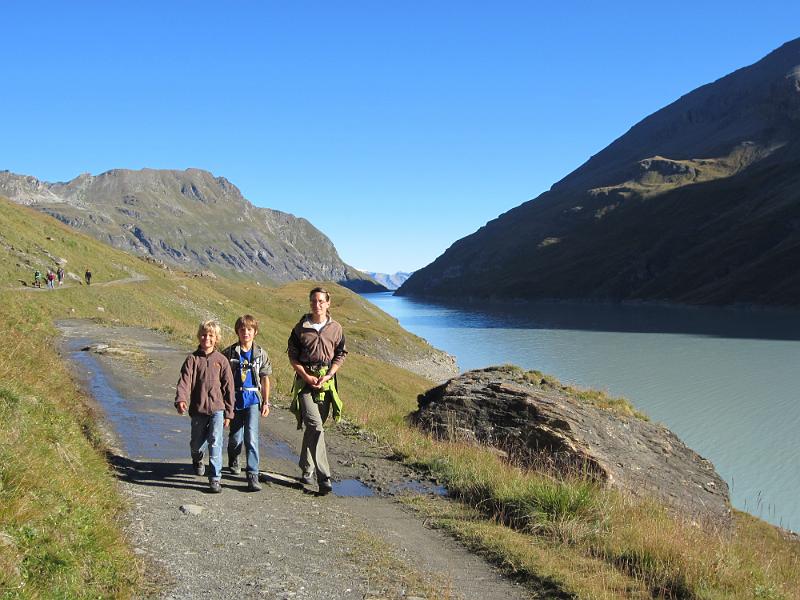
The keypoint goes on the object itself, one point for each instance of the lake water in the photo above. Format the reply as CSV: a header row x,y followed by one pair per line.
x,y
726,381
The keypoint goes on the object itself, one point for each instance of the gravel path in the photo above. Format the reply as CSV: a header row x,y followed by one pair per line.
x,y
283,542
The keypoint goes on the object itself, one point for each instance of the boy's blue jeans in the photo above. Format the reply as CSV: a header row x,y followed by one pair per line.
x,y
245,426
208,429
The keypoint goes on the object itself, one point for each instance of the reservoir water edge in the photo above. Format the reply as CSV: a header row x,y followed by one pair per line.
x,y
726,381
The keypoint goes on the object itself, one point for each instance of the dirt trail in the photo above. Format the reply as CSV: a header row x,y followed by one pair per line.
x,y
283,542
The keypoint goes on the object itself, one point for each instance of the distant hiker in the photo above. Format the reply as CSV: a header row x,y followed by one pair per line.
x,y
51,278
316,349
206,387
60,275
251,370
88,277
37,278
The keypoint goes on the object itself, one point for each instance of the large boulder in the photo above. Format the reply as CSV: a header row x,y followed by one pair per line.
x,y
535,419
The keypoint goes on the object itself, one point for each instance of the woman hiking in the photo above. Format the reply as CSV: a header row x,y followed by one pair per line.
x,y
316,351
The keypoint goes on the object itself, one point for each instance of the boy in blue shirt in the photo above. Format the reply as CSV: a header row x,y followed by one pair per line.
x,y
251,370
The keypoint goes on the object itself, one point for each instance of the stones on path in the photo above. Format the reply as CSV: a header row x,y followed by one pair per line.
x,y
113,350
192,509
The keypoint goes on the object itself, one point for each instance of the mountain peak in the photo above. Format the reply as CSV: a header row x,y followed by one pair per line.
x,y
190,219
696,203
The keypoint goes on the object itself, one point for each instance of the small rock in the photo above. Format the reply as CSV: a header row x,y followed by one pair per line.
x,y
192,509
101,309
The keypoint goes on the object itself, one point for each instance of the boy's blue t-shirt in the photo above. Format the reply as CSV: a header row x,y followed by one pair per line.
x,y
244,378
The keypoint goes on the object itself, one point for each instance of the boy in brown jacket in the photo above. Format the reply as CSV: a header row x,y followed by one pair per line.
x,y
206,387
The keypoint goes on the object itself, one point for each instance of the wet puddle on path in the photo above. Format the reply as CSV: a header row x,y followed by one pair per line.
x,y
142,432
145,425
141,414
418,487
351,488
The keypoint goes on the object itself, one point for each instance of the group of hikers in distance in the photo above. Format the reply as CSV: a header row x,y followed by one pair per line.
x,y
57,275
50,278
230,389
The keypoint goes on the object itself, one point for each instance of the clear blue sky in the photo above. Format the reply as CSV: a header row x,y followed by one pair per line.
x,y
394,127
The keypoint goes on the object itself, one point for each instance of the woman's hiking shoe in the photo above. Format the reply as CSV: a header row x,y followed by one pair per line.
x,y
234,466
325,486
214,487
252,482
199,468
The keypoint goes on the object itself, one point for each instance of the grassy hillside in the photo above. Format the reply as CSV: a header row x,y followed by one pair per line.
x,y
59,527
59,534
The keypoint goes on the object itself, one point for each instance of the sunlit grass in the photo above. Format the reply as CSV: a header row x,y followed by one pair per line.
x,y
59,523
60,520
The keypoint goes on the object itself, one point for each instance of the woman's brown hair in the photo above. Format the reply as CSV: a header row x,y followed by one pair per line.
x,y
321,290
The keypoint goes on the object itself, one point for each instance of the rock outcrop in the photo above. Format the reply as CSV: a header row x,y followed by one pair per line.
x,y
533,418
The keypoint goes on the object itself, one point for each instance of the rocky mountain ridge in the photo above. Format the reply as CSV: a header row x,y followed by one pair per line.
x,y
190,219
699,203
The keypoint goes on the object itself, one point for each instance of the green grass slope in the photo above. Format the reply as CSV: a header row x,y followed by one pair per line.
x,y
60,523
59,533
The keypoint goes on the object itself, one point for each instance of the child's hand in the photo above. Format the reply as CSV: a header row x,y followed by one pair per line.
x,y
181,407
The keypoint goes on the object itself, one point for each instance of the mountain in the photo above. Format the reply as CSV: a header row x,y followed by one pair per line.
x,y
389,281
189,219
699,203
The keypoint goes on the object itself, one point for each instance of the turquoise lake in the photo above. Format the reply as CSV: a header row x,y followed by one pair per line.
x,y
727,381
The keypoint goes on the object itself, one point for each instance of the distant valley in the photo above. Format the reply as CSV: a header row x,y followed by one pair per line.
x,y
189,219
390,282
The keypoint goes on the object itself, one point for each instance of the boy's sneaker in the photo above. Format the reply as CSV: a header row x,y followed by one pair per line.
x,y
252,482
214,487
199,468
325,486
307,479
234,466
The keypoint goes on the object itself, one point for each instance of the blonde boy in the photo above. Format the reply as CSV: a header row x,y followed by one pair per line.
x,y
206,388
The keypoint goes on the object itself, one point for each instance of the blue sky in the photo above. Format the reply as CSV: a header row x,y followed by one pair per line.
x,y
394,127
